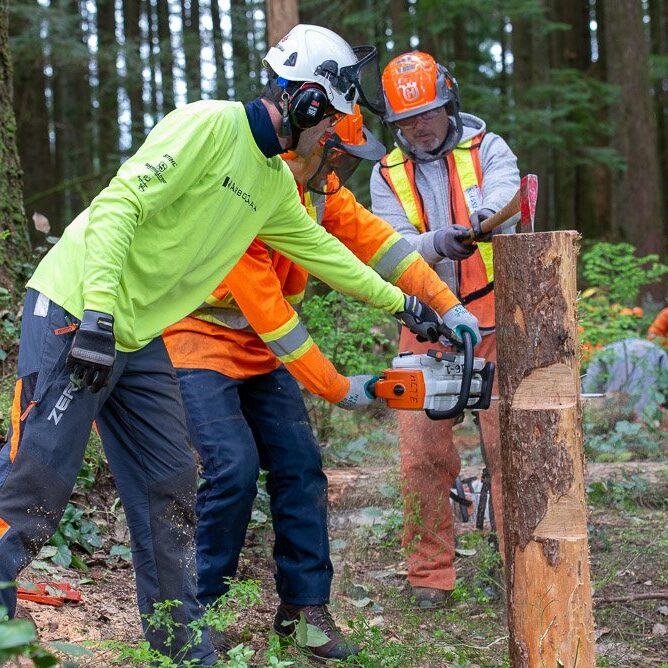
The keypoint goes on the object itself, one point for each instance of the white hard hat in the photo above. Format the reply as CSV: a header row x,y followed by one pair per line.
x,y
314,54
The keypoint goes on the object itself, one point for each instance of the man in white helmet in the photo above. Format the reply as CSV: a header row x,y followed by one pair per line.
x,y
152,246
446,175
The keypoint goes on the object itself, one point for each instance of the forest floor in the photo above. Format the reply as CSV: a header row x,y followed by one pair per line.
x,y
629,557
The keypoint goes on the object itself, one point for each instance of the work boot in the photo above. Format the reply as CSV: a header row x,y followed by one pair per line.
x,y
428,597
336,648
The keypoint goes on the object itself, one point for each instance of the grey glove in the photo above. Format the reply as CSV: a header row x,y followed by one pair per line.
x,y
476,218
93,350
458,319
360,393
421,319
448,242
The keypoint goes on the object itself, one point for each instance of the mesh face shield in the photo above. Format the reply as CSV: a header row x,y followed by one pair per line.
x,y
341,160
362,78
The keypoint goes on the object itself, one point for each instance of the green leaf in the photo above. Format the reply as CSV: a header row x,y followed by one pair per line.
x,y
301,631
42,659
47,552
70,649
63,557
79,563
122,551
315,637
16,632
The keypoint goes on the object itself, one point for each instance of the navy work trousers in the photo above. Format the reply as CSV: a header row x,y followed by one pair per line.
x,y
239,426
142,425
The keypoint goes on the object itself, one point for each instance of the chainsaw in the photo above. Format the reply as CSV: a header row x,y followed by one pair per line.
x,y
443,384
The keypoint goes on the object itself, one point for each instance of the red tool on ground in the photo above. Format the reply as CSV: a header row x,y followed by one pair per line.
x,y
49,593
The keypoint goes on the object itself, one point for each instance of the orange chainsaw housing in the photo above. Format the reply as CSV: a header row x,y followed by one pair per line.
x,y
402,388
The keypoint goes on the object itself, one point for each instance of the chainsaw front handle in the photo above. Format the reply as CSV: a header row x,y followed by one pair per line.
x,y
467,376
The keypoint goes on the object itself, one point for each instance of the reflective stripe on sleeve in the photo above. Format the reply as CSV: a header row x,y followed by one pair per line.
x,y
393,257
289,341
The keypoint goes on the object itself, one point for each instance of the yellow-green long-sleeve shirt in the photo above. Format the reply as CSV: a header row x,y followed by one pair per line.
x,y
178,215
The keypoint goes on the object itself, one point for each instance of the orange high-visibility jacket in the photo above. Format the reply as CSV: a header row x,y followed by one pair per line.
x,y
249,326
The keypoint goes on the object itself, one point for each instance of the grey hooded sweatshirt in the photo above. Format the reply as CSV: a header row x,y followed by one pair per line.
x,y
501,179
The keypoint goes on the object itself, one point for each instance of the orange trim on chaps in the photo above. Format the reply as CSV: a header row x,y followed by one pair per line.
x,y
16,421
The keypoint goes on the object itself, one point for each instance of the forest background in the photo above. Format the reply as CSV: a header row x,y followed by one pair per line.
x,y
579,88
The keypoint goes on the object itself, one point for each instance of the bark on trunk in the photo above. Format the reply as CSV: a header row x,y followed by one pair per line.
x,y
547,557
282,15
14,245
636,194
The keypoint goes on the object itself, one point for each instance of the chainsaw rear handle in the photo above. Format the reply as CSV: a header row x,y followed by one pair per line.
x,y
467,375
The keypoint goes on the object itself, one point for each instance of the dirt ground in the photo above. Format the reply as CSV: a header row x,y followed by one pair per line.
x,y
629,555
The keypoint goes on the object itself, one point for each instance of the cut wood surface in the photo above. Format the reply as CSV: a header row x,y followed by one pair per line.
x,y
547,557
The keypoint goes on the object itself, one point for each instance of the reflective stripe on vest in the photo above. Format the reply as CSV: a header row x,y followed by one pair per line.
x,y
289,341
472,196
400,176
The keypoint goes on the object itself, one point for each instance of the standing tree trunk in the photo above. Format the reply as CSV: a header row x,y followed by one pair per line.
x,y
134,80
571,49
282,15
530,68
547,556
14,244
658,10
636,213
192,49
107,116
221,89
72,106
166,56
32,120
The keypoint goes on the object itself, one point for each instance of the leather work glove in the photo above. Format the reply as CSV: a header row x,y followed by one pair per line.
x,y
458,319
360,393
421,319
93,350
476,218
448,242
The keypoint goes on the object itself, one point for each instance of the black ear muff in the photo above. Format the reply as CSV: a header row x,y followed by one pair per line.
x,y
308,106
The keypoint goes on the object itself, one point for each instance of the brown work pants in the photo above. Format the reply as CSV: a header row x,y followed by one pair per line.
x,y
429,465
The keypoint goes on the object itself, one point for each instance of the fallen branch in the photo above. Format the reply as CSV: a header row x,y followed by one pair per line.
x,y
646,596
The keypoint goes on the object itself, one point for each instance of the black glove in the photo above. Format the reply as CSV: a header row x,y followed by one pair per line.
x,y
421,319
476,218
93,350
448,242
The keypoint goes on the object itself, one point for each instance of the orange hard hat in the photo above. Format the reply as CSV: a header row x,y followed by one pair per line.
x,y
415,83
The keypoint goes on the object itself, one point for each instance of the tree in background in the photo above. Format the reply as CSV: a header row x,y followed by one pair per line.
x,y
578,87
14,244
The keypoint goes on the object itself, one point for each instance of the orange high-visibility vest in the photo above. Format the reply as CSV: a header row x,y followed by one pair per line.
x,y
476,273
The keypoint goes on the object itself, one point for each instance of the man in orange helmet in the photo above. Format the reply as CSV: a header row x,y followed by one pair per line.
x,y
446,175
237,358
